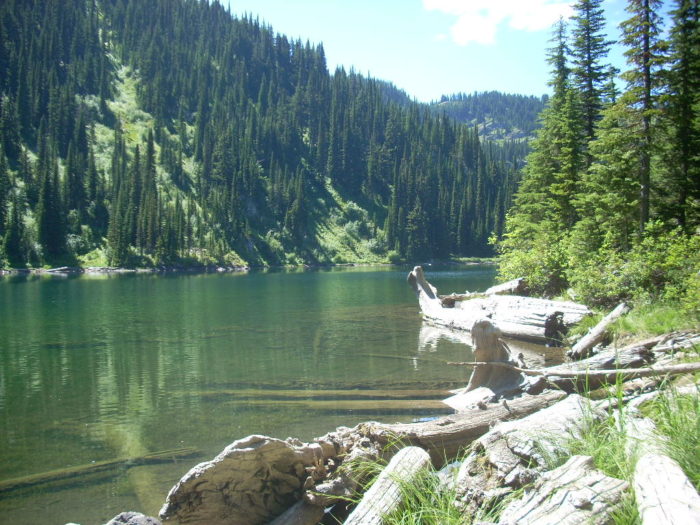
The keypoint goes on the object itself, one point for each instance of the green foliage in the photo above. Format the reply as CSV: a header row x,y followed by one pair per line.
x,y
239,132
663,266
542,260
623,224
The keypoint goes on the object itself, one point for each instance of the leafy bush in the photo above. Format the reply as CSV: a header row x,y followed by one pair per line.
x,y
542,263
663,266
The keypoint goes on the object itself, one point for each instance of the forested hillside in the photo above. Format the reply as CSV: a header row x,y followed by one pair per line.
x,y
609,204
497,115
166,131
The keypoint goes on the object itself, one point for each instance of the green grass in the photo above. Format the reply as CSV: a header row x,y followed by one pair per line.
x,y
425,503
654,319
678,418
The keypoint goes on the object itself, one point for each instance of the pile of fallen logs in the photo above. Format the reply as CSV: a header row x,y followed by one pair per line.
x,y
517,317
509,419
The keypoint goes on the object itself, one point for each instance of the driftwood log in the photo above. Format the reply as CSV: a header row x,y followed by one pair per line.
x,y
662,490
489,380
513,454
576,492
517,317
384,496
596,334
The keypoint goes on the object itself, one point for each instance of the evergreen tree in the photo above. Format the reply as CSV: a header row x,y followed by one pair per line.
x,y
684,109
645,55
51,215
588,51
13,241
536,226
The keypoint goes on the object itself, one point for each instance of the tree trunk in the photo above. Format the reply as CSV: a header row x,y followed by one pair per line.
x,y
663,492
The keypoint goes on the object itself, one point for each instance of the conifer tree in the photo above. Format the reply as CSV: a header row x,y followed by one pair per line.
x,y
536,226
684,109
645,56
588,51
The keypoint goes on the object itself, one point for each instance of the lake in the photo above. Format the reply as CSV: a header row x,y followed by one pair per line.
x,y
101,368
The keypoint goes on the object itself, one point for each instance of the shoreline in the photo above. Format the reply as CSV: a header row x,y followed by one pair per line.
x,y
64,271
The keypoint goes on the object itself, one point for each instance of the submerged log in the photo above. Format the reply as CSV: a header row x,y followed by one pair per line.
x,y
576,492
583,347
67,475
517,317
384,496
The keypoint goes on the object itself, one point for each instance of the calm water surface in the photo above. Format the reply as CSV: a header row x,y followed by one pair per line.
x,y
102,368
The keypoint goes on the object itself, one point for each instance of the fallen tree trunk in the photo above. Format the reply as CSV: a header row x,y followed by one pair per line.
x,y
513,454
583,348
662,490
517,317
446,436
576,492
385,494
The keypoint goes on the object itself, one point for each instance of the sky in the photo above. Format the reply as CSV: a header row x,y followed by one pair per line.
x,y
431,48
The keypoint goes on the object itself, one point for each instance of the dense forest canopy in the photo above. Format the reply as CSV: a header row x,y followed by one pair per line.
x,y
609,204
139,132
497,115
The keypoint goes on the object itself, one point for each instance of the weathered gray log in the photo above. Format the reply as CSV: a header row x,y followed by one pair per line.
x,y
133,518
384,496
251,481
596,334
567,378
662,490
574,493
517,317
443,438
514,453
514,287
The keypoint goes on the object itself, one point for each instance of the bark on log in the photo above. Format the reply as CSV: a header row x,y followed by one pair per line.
x,y
663,492
517,317
446,436
384,496
583,347
443,439
574,493
251,481
514,453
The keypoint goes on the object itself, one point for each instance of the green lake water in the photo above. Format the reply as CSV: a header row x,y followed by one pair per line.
x,y
97,368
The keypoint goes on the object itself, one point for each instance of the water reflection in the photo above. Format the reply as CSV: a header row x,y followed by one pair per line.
x,y
118,366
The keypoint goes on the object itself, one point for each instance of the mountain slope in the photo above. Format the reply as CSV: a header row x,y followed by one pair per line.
x,y
167,131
